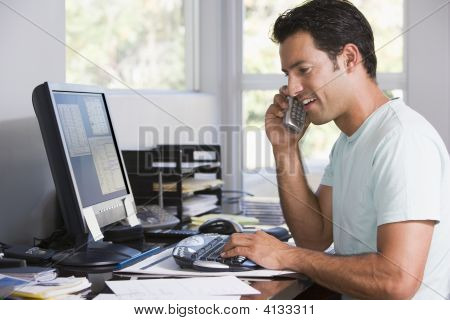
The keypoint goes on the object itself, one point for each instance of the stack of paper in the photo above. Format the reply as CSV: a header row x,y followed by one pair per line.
x,y
227,287
55,289
196,221
186,166
190,185
266,209
198,204
31,273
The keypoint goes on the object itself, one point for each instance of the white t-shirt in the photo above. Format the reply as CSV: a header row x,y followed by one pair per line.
x,y
395,167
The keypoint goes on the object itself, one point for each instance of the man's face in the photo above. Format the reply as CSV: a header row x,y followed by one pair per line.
x,y
313,78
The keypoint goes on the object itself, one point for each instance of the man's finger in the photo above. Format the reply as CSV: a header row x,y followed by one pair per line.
x,y
238,239
284,90
237,251
280,100
273,111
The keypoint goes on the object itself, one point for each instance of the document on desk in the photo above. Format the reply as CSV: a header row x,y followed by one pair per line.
x,y
189,288
112,296
163,264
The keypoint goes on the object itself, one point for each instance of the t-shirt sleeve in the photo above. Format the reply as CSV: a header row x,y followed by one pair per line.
x,y
406,178
327,178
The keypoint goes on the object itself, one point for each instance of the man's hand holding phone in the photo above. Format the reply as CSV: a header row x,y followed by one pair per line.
x,y
278,133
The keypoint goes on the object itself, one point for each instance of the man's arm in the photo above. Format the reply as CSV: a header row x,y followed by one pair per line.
x,y
394,272
308,215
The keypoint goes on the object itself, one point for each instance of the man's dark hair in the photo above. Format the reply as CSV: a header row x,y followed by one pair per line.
x,y
332,24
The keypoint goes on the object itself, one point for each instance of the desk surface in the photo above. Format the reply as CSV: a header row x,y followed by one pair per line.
x,y
273,289
277,289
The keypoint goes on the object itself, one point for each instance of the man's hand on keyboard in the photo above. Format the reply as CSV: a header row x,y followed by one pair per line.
x,y
259,247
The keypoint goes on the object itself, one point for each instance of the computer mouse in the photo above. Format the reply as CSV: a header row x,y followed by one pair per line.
x,y
221,226
278,232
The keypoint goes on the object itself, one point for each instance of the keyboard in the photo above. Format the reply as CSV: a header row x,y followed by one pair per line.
x,y
202,252
154,217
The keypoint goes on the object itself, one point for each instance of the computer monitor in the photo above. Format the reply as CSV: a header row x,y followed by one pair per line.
x,y
87,167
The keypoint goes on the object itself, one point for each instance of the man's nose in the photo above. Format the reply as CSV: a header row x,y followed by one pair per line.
x,y
295,86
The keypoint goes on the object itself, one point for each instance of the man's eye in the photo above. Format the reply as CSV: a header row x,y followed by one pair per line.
x,y
304,70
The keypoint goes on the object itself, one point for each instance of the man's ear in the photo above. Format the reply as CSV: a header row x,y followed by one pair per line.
x,y
351,56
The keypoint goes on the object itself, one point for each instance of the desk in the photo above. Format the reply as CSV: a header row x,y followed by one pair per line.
x,y
273,289
277,289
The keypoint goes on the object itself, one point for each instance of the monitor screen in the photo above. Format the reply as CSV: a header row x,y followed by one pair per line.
x,y
91,146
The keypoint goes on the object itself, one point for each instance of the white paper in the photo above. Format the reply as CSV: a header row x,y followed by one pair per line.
x,y
161,289
111,296
92,223
106,296
187,165
204,155
168,266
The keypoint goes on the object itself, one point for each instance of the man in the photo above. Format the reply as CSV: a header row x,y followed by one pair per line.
x,y
383,197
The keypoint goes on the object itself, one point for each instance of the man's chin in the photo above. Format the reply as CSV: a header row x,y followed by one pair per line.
x,y
318,121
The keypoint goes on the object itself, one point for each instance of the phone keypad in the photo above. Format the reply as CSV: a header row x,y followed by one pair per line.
x,y
298,114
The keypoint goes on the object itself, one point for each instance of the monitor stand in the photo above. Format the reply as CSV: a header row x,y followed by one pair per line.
x,y
94,254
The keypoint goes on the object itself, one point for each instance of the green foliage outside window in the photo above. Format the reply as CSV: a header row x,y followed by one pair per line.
x,y
141,42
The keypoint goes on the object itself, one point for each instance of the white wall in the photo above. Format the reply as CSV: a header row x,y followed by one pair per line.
x,y
178,118
28,57
428,65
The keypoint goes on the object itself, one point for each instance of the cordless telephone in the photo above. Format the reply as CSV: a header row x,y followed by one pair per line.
x,y
295,116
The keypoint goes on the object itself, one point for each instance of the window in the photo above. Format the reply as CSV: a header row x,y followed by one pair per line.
x,y
262,77
386,20
140,42
260,54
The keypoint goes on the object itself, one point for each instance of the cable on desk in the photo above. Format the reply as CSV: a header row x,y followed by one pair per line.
x,y
59,240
